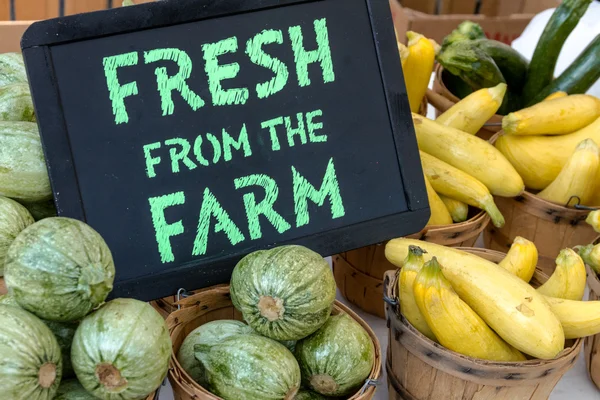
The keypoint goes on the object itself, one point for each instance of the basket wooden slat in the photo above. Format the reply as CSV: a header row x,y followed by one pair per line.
x,y
441,106
214,304
550,226
419,369
592,343
359,273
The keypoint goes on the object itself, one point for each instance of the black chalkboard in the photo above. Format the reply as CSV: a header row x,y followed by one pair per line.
x,y
190,133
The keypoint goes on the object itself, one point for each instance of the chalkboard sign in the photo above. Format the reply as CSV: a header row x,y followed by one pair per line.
x,y
190,133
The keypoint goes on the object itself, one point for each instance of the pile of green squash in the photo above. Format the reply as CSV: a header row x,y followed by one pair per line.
x,y
59,338
292,346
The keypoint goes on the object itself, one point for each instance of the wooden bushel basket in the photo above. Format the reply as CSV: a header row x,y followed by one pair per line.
x,y
359,273
592,343
168,305
447,99
215,304
420,369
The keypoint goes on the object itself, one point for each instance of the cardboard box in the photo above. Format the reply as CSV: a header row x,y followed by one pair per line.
x,y
10,35
504,26
27,10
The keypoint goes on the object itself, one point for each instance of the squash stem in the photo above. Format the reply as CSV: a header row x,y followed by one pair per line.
x,y
47,375
110,377
271,308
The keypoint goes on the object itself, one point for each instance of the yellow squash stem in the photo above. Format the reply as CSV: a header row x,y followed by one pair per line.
x,y
539,159
470,154
459,211
553,117
576,182
578,318
418,68
590,254
454,323
568,279
471,113
521,259
408,306
556,95
593,219
456,184
439,213
511,307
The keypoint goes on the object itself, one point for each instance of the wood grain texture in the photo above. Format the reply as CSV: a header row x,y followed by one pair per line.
x,y
4,10
592,343
359,273
550,226
214,304
419,369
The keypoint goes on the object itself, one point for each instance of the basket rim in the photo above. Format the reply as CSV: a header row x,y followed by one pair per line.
x,y
593,281
179,377
394,318
474,219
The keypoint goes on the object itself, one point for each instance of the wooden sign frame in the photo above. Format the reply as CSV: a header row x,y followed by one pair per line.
x,y
208,271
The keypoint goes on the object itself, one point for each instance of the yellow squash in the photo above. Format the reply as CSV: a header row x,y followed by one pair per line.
x,y
593,219
578,318
459,211
590,255
512,308
408,306
553,117
454,323
539,159
417,68
456,184
556,95
469,114
568,279
576,182
439,213
521,259
470,154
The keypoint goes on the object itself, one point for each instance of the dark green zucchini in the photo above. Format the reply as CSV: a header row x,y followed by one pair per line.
x,y
511,63
559,27
580,75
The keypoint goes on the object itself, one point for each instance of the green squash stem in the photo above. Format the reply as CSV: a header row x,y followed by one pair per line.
x,y
271,308
324,383
47,375
111,378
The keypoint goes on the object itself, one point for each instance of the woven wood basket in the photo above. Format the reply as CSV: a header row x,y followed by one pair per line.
x,y
447,99
214,304
359,273
170,304
419,369
592,343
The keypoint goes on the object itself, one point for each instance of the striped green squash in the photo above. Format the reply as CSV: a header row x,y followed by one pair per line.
x,y
250,367
122,350
72,390
59,269
23,173
30,359
13,219
16,103
308,395
41,209
285,293
12,69
338,358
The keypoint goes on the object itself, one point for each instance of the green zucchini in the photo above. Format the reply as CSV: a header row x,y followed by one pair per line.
x,y
467,30
559,27
580,75
510,62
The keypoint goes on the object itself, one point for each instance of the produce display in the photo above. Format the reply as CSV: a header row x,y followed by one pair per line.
x,y
461,296
472,62
284,292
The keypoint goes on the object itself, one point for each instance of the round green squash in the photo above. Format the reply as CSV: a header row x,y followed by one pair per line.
x,y
63,332
13,219
12,69
206,335
16,103
285,293
72,390
250,367
338,358
23,173
309,395
122,350
59,269
30,359
41,209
